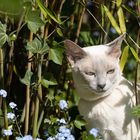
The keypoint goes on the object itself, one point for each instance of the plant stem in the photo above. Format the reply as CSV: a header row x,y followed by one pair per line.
x,y
35,126
1,74
28,94
2,85
80,24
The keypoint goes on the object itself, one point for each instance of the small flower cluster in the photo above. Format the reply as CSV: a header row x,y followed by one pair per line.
x,y
27,137
7,132
3,93
94,132
11,116
64,133
63,104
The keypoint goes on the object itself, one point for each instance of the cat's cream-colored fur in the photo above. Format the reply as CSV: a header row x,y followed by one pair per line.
x,y
106,97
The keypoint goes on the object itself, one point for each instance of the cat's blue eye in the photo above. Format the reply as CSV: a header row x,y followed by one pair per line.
x,y
110,71
90,73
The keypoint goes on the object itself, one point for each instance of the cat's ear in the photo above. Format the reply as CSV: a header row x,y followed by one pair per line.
x,y
73,51
114,47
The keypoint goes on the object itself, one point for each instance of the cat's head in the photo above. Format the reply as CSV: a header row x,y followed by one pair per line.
x,y
96,68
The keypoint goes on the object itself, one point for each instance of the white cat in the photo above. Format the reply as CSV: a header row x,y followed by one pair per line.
x,y
106,97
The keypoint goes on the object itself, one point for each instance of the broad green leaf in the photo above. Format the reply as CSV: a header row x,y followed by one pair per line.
x,y
47,12
134,54
3,35
47,83
124,57
112,20
33,20
27,78
79,122
56,55
121,20
11,7
37,46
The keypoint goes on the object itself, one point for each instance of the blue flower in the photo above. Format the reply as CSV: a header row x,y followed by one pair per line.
x,y
7,132
94,132
63,104
26,137
3,93
12,105
60,136
70,137
10,115
62,121
51,138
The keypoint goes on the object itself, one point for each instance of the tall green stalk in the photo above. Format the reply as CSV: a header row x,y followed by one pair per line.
x,y
39,95
2,86
28,94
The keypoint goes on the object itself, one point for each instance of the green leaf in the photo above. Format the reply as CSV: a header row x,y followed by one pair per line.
x,y
91,137
27,78
47,83
79,122
50,96
58,30
118,2
134,54
86,36
136,111
47,12
37,46
33,20
56,55
124,57
3,35
130,10
112,20
121,20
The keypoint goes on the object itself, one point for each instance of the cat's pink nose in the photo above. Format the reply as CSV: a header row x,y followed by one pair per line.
x,y
101,86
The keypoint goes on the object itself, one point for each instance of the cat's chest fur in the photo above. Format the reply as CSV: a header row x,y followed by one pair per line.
x,y
111,114
110,109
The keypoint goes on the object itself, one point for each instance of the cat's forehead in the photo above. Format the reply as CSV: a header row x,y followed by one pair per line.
x,y
96,50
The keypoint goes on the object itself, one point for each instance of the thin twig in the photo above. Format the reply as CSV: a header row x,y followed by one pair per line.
x,y
80,24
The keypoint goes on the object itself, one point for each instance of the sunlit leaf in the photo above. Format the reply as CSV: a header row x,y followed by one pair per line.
x,y
118,2
58,30
37,46
121,20
3,35
124,57
112,20
27,78
47,83
34,21
56,55
47,12
79,122
134,54
136,111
